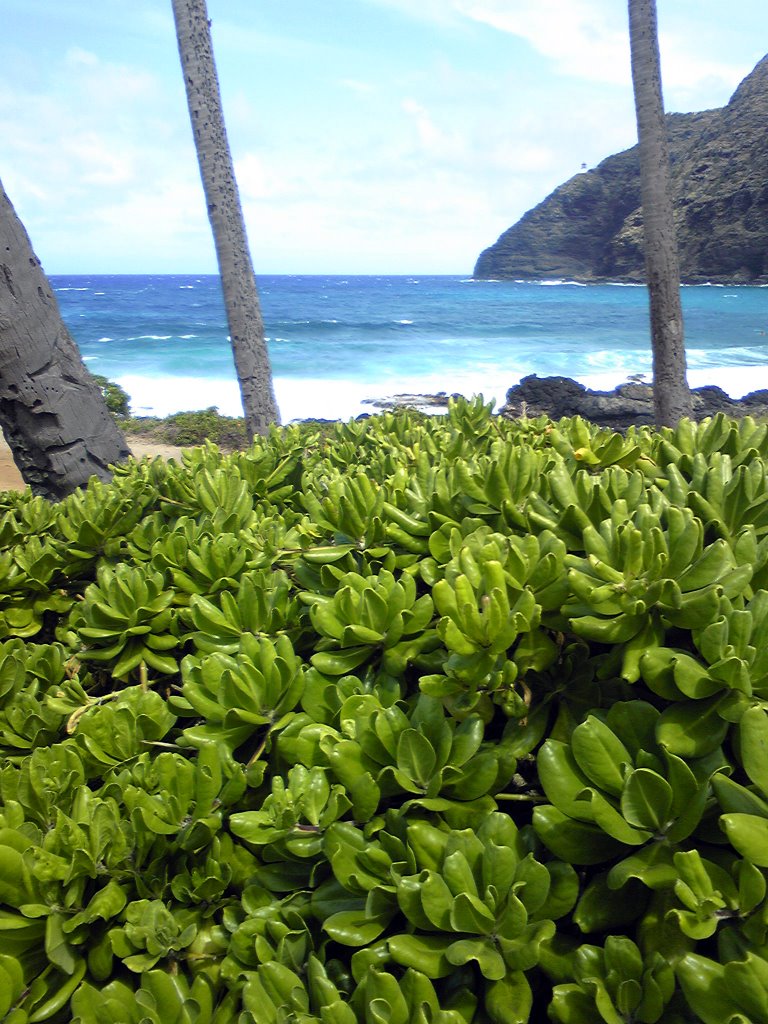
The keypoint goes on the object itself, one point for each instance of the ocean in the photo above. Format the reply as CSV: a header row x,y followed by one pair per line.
x,y
337,342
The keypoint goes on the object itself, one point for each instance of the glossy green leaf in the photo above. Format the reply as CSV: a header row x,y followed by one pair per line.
x,y
575,842
753,736
416,756
424,953
600,754
748,835
509,1000
646,800
692,728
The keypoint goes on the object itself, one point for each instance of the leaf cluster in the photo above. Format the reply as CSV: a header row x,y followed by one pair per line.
x,y
444,720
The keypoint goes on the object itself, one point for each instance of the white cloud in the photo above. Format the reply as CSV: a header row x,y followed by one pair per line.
x,y
356,86
76,55
583,37
692,81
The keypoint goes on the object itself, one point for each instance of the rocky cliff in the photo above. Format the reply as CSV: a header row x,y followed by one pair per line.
x,y
590,228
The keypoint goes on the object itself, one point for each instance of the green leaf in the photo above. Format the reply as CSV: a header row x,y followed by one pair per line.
x,y
562,779
510,1000
416,756
488,959
646,800
571,1005
692,728
600,754
469,914
355,927
575,842
385,1001
705,990
753,734
425,953
57,948
748,835
600,908
16,886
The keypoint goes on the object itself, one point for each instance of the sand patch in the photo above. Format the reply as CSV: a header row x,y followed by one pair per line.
x,y
10,477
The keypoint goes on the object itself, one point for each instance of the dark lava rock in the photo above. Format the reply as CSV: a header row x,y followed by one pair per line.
x,y
628,404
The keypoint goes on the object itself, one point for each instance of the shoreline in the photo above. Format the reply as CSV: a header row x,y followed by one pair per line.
x,y
599,389
346,398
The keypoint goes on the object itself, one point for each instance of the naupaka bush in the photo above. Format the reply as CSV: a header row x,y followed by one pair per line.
x,y
438,720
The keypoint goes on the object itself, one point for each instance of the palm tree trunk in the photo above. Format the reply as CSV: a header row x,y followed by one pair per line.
x,y
672,397
52,412
238,282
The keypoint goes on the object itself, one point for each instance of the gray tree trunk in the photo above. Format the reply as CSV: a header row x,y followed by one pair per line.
x,y
241,299
52,412
672,396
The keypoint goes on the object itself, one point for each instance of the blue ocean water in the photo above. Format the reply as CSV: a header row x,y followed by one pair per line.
x,y
336,341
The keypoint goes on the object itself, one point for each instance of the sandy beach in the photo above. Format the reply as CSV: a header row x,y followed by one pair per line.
x,y
10,477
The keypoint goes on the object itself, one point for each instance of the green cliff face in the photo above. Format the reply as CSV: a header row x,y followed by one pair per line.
x,y
590,228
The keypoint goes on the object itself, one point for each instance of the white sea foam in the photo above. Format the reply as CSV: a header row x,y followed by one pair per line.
x,y
152,337
554,284
343,398
736,381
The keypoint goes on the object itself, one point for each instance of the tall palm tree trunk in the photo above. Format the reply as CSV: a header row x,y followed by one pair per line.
x,y
52,412
238,282
672,397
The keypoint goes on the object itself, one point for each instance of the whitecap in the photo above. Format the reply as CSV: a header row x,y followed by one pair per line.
x,y
105,339
560,283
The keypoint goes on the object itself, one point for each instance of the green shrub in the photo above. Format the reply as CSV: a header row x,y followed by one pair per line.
x,y
446,721
191,428
117,399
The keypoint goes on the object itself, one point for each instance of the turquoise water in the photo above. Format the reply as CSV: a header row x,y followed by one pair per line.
x,y
336,341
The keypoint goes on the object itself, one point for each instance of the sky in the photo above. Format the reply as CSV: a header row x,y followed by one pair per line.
x,y
369,136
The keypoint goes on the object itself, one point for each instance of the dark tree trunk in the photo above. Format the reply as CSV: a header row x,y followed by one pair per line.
x,y
52,412
672,396
241,300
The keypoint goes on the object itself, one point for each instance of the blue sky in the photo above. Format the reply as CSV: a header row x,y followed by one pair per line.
x,y
369,136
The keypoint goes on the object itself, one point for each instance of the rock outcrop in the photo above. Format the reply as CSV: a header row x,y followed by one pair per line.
x,y
590,228
627,405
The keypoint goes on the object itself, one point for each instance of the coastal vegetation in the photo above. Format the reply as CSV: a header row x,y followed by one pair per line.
x,y
189,428
416,719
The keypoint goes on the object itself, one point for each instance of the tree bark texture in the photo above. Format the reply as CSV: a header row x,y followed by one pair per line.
x,y
672,396
238,282
52,412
